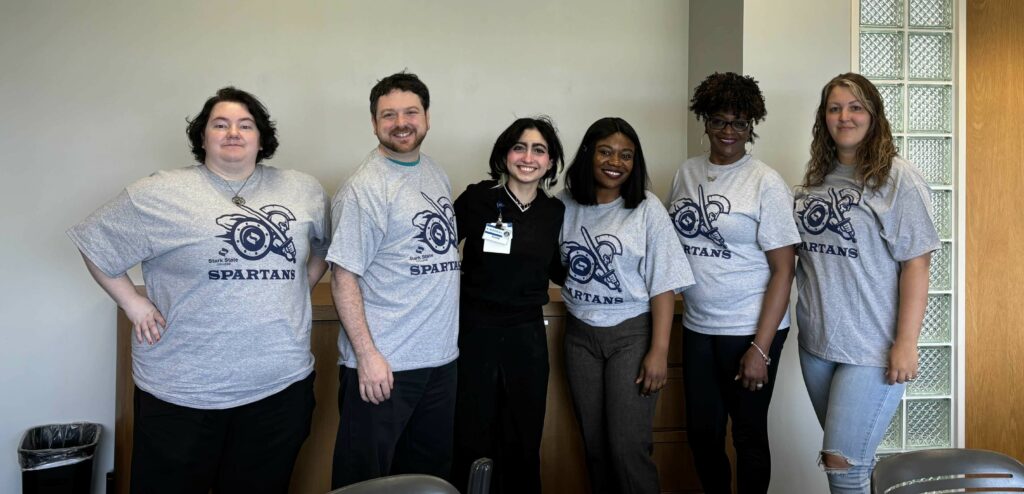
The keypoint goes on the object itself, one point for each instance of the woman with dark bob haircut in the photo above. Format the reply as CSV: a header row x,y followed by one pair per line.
x,y
733,215
864,216
510,225
624,267
221,359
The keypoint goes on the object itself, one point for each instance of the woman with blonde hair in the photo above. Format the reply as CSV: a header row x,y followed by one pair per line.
x,y
864,217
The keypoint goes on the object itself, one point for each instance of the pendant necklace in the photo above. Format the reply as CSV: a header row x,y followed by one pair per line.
x,y
522,206
710,177
236,197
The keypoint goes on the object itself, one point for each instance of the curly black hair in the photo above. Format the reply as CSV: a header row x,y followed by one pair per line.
x,y
729,92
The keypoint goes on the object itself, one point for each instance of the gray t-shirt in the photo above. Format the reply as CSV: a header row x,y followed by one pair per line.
x,y
230,281
394,227
618,259
725,225
847,276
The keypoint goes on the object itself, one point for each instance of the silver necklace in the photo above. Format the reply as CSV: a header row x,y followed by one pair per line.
x,y
521,205
236,197
710,177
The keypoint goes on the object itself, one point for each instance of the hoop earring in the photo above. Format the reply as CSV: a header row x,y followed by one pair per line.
x,y
749,149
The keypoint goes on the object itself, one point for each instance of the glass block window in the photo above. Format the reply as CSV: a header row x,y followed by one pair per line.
x,y
930,108
907,48
942,208
930,56
933,156
892,99
881,55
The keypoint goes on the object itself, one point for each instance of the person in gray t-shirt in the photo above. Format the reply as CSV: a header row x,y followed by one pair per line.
x,y
862,279
221,354
734,217
396,288
624,267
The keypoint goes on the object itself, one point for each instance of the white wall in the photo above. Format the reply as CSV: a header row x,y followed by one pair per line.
x,y
793,48
94,95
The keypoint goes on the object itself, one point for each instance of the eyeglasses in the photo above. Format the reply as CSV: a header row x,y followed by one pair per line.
x,y
714,123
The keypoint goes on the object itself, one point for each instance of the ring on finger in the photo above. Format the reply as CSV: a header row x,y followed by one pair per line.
x,y
760,385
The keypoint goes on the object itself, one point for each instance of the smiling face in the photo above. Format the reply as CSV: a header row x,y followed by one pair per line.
x,y
848,122
528,159
728,145
613,162
231,137
401,124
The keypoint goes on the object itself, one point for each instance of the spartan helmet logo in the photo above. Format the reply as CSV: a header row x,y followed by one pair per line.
x,y
594,260
692,219
818,214
260,232
437,227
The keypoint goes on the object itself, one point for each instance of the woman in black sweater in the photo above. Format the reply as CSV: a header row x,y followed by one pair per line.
x,y
510,226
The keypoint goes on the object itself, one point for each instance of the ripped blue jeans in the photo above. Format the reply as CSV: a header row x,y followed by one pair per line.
x,y
854,405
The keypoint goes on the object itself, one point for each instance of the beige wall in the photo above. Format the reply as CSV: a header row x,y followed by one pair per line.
x,y
94,95
716,45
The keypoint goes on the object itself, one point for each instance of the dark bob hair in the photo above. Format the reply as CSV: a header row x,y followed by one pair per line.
x,y
196,129
729,92
511,135
402,81
579,179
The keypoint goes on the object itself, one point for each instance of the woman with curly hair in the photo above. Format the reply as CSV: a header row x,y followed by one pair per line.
x,y
732,214
624,268
864,217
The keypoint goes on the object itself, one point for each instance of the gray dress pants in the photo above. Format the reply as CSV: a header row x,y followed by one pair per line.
x,y
602,364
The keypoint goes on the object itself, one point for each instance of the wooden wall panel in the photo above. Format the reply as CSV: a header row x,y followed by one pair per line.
x,y
995,226
563,469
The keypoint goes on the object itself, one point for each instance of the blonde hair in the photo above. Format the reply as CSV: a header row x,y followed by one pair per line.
x,y
875,152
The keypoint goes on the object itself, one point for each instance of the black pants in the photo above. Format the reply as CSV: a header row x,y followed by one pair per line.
x,y
409,433
712,397
249,448
502,394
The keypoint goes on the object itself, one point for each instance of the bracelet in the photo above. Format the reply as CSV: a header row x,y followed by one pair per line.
x,y
767,359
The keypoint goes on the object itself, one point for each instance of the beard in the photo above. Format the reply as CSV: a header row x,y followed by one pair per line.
x,y
401,148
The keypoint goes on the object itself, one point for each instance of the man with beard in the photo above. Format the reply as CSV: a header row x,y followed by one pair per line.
x,y
396,289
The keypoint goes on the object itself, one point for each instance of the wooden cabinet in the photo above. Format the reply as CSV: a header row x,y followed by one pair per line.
x,y
563,470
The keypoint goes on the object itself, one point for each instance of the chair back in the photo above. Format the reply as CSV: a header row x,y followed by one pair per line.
x,y
480,476
946,470
400,484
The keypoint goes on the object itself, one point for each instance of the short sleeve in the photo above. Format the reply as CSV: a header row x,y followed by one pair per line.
x,y
776,227
909,230
665,264
359,216
114,237
321,240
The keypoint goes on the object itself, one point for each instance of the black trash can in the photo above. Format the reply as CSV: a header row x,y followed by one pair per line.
x,y
58,458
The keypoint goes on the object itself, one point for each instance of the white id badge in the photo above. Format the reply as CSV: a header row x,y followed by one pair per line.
x,y
498,238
